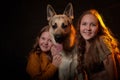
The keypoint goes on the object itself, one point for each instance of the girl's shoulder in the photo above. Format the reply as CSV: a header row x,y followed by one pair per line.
x,y
38,54
104,47
106,42
105,39
33,55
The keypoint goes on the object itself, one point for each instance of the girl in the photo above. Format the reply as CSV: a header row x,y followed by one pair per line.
x,y
43,59
97,48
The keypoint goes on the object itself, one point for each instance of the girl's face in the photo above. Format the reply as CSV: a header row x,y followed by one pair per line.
x,y
88,26
45,42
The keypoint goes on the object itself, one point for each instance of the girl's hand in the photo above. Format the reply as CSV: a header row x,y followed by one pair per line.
x,y
55,51
57,60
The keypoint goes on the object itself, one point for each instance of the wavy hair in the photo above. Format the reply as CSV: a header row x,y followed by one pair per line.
x,y
103,31
36,47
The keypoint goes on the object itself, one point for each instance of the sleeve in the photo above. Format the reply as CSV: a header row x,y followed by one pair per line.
x,y
107,56
104,47
33,66
40,68
48,73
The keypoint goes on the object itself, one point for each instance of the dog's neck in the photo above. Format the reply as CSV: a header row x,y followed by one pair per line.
x,y
69,42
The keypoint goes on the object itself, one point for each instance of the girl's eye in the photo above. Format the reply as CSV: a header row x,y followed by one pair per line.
x,y
84,23
42,38
93,24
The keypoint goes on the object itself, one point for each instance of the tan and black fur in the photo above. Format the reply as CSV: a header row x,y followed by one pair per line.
x,y
63,32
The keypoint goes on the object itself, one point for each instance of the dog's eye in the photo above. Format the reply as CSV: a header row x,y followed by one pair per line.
x,y
54,26
64,26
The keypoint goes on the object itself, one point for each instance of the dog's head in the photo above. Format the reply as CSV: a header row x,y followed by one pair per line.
x,y
60,24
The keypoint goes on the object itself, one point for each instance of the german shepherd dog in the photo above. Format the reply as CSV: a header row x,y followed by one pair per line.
x,y
63,32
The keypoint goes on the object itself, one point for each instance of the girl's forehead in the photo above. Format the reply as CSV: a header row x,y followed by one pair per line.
x,y
89,17
46,34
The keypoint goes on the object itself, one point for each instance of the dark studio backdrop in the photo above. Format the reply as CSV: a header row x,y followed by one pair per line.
x,y
21,20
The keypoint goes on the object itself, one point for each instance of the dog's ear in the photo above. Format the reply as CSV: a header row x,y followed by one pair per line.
x,y
69,11
50,12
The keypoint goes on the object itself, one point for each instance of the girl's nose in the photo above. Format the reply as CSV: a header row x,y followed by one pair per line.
x,y
46,42
88,27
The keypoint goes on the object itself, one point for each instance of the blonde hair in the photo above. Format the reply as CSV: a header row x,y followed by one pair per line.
x,y
36,44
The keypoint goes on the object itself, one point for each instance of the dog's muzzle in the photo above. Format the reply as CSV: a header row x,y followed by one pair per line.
x,y
59,38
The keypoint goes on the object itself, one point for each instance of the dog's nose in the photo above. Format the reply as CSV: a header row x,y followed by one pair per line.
x,y
58,38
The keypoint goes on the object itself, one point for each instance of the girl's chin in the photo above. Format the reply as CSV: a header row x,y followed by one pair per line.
x,y
87,38
45,50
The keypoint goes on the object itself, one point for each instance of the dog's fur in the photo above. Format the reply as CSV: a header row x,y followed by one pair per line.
x,y
63,32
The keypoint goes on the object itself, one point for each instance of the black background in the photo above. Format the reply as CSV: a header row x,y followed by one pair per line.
x,y
21,20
